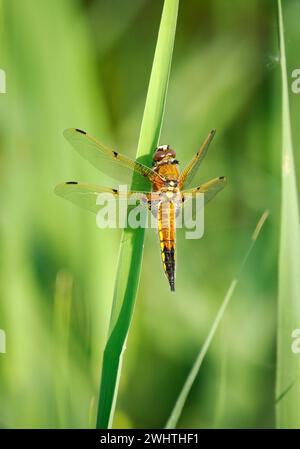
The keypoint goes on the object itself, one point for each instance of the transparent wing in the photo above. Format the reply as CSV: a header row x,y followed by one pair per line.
x,y
210,189
108,161
87,195
191,169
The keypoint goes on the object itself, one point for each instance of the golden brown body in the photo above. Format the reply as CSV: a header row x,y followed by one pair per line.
x,y
166,232
166,187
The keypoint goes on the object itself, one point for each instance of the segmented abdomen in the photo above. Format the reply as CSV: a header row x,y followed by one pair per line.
x,y
166,230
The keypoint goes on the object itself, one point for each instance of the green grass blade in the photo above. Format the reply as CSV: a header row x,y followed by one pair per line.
x,y
181,400
131,249
288,364
61,329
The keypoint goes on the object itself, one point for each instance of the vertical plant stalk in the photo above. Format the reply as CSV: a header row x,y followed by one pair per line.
x,y
62,311
288,364
131,248
183,395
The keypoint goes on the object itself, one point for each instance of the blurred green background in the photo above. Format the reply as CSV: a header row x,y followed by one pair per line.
x,y
86,64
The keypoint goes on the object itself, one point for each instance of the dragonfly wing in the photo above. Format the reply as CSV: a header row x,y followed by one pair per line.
x,y
87,195
191,169
110,162
210,189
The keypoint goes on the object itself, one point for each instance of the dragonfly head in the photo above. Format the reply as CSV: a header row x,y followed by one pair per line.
x,y
163,152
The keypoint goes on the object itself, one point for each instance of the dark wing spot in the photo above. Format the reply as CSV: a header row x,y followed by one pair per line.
x,y
115,153
115,190
72,182
80,131
221,177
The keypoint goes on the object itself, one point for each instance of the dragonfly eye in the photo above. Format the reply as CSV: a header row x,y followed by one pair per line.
x,y
171,153
159,155
162,152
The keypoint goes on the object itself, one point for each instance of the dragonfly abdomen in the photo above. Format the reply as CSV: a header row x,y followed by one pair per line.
x,y
166,229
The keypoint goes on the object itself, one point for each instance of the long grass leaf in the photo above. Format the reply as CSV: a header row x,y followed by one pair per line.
x,y
181,400
131,249
288,364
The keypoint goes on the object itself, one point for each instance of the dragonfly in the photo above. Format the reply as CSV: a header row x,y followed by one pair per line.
x,y
164,187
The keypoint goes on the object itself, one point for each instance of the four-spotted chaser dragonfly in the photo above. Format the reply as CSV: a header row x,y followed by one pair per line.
x,y
163,179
